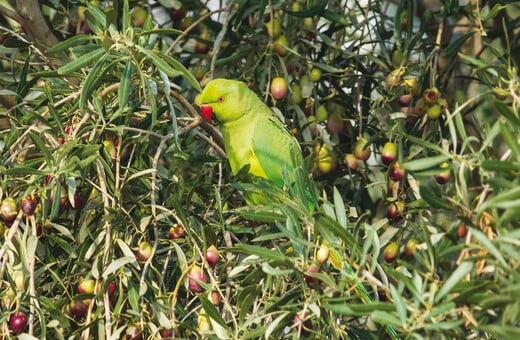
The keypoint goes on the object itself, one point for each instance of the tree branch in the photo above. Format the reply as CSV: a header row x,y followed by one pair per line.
x,y
29,15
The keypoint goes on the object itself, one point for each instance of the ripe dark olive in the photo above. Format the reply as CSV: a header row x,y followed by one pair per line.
x,y
78,200
178,14
388,153
133,332
111,289
302,326
391,251
411,246
462,231
311,280
405,99
8,210
143,252
444,176
396,173
18,322
212,256
216,298
395,210
177,231
63,198
29,204
78,309
167,333
196,274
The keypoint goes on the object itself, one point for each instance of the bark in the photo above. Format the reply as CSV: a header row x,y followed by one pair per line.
x,y
29,15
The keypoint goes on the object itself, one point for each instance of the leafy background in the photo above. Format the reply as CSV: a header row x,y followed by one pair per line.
x,y
99,110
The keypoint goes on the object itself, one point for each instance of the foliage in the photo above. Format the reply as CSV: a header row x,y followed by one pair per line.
x,y
101,135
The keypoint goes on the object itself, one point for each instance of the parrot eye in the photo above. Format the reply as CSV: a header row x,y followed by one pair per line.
x,y
220,99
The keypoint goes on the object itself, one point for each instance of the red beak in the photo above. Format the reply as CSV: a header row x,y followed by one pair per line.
x,y
207,112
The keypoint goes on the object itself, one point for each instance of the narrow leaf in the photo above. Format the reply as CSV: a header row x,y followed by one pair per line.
x,y
186,74
457,276
159,62
261,252
82,61
511,140
124,84
425,163
115,265
72,41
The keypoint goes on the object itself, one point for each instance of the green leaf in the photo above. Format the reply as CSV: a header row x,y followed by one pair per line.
x,y
261,252
159,62
325,225
181,257
511,140
339,208
444,325
488,245
126,16
211,311
266,215
82,61
273,325
425,144
425,163
506,199
268,269
399,303
117,264
385,318
124,84
72,41
359,309
456,277
133,296
455,46
186,74
94,78
312,11
486,13
96,18
162,31
507,112
41,146
246,298
500,166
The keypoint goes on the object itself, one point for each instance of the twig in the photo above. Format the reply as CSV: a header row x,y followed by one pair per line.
x,y
191,27
207,127
218,40
32,287
12,231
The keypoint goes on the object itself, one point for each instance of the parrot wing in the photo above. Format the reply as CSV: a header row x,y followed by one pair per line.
x,y
274,147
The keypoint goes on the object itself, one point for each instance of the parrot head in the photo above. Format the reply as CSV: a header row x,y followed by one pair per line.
x,y
227,99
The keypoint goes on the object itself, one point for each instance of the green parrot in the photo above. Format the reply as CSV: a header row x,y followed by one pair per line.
x,y
252,134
